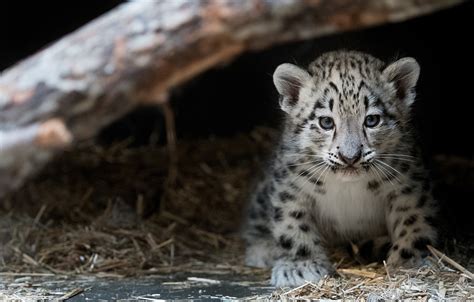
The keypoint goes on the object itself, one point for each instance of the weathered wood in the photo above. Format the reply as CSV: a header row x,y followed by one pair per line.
x,y
141,50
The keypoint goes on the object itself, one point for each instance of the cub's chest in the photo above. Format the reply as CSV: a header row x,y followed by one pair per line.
x,y
350,209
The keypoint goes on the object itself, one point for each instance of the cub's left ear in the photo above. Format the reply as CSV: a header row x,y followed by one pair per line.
x,y
403,74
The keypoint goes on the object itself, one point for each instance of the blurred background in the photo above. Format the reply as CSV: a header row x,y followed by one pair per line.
x,y
239,96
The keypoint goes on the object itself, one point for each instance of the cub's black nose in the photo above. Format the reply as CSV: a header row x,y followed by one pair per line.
x,y
352,159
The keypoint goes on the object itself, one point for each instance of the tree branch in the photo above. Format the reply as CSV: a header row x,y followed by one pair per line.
x,y
142,49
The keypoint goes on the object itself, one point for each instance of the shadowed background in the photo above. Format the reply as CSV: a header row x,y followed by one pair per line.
x,y
239,96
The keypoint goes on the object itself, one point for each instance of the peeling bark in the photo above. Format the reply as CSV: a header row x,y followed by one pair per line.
x,y
139,51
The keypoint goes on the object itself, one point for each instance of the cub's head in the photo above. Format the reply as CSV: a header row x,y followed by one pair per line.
x,y
349,111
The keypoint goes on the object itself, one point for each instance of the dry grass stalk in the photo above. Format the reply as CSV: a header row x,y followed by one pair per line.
x,y
442,257
71,294
358,272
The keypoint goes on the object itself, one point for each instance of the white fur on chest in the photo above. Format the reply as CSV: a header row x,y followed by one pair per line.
x,y
349,207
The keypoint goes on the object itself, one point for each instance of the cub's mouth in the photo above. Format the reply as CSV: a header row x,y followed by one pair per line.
x,y
349,170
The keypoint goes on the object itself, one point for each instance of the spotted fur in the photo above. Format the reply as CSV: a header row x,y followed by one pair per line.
x,y
335,178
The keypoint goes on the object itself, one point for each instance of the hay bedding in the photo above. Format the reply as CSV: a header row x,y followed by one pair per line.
x,y
115,212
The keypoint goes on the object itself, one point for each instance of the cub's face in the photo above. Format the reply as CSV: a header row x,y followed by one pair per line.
x,y
348,113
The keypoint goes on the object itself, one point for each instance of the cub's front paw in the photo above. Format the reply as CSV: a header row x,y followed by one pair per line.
x,y
294,273
405,257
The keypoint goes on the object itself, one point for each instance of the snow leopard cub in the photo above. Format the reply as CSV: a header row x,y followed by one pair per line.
x,y
347,169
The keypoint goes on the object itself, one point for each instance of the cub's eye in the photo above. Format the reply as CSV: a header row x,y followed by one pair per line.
x,y
326,122
372,120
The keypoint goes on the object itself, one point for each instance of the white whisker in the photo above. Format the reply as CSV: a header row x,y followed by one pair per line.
x,y
396,158
307,171
395,154
301,155
384,163
317,180
379,168
389,172
305,163
376,173
311,176
327,172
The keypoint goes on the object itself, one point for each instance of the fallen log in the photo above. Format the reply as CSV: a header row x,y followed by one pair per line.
x,y
139,51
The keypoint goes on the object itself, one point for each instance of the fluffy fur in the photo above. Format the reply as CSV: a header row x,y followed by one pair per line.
x,y
347,169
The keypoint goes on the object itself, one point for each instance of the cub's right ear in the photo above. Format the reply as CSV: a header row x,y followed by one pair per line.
x,y
288,80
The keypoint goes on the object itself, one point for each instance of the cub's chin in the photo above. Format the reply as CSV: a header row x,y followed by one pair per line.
x,y
349,174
